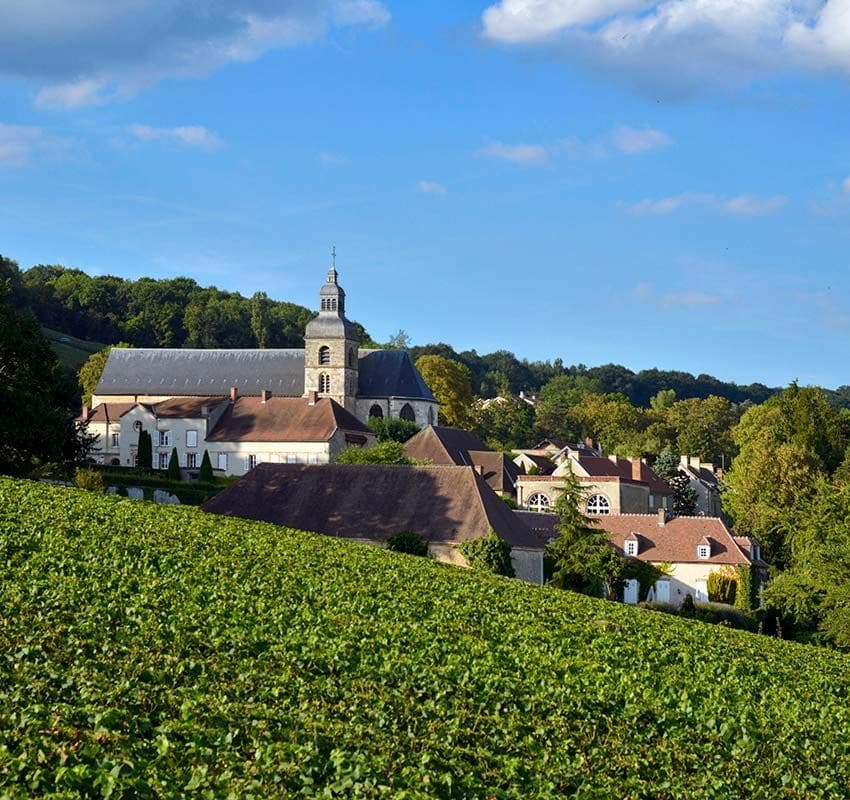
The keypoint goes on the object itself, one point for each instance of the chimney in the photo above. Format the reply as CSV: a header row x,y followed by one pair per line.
x,y
234,394
86,413
312,397
479,469
265,395
613,458
662,517
694,461
636,465
205,410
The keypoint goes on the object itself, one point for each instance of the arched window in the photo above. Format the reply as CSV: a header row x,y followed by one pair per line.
x,y
408,413
324,304
324,355
351,357
598,505
324,383
333,304
538,502
376,411
430,415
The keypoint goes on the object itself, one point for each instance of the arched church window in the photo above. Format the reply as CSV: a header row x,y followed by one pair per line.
x,y
324,355
407,413
324,383
376,411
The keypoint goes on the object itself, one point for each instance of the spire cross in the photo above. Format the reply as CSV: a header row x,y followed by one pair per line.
x,y
333,254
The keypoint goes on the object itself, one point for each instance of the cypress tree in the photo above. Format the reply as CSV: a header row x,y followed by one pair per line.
x,y
144,451
173,466
206,473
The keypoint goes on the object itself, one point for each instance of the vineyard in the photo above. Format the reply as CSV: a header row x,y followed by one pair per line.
x,y
151,651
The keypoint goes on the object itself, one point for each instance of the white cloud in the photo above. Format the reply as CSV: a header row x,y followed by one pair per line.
x,y
633,141
20,145
687,299
431,187
111,49
845,185
535,154
188,135
681,45
743,205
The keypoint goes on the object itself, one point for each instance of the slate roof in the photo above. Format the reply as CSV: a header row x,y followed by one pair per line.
x,y
204,373
676,541
284,419
445,505
441,445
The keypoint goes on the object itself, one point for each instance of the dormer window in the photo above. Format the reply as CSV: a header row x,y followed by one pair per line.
x,y
703,551
631,548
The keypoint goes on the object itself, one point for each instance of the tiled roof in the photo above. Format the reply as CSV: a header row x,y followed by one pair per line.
x,y
676,541
110,413
284,419
441,445
207,373
185,407
622,467
371,501
543,464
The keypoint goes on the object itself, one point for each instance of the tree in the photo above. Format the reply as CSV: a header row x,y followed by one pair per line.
x,y
704,427
583,558
488,553
504,423
144,451
557,399
407,542
393,428
36,425
398,341
611,420
90,372
388,452
173,471
206,471
260,318
684,495
451,383
662,401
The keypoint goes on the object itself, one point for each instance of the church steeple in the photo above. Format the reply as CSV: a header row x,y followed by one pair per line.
x,y
331,346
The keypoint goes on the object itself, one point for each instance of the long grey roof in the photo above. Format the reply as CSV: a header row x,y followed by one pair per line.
x,y
201,373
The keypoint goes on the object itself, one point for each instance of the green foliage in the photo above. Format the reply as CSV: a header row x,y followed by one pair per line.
x,y
36,425
387,452
684,495
688,609
504,424
206,471
747,586
726,615
90,372
393,429
89,479
144,451
157,651
173,471
451,383
722,588
407,542
489,553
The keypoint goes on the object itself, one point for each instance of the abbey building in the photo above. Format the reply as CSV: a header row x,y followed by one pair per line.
x,y
251,406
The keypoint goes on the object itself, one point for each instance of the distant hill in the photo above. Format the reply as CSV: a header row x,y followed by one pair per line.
x,y
155,651
71,351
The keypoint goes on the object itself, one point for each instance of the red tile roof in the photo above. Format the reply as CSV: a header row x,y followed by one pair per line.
x,y
622,467
185,407
107,412
285,419
373,502
676,541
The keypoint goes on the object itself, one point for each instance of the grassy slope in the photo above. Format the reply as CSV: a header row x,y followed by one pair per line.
x,y
154,650
74,353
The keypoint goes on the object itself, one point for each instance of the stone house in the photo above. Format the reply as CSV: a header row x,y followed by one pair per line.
x,y
613,485
444,505
705,482
688,548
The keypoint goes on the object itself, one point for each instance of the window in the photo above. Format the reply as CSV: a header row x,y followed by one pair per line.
x,y
164,439
162,460
115,439
134,458
538,502
324,383
351,357
137,425
652,502
192,460
598,505
314,459
251,462
222,461
191,438
703,551
325,304
324,355
408,413
376,411
291,458
631,547
333,303
631,590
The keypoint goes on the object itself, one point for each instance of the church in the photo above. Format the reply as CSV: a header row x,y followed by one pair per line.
x,y
251,406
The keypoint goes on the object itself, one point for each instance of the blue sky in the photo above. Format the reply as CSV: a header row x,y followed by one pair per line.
x,y
653,184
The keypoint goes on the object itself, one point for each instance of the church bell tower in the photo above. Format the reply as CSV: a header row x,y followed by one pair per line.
x,y
331,347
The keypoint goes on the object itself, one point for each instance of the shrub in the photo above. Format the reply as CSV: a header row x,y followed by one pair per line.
x,y
407,542
746,599
388,452
206,471
509,501
662,607
490,553
533,470
89,479
724,614
173,471
144,451
722,588
688,609
393,429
